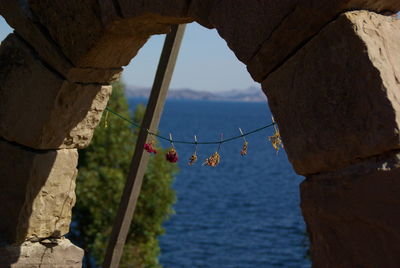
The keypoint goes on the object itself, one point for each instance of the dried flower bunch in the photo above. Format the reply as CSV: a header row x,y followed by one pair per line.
x,y
243,152
276,140
106,120
149,147
245,146
172,155
192,159
213,160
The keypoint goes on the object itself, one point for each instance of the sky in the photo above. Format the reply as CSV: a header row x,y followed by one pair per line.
x,y
204,63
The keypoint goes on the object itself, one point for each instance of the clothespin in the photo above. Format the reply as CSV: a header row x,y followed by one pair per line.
x,y
243,152
172,154
193,158
276,138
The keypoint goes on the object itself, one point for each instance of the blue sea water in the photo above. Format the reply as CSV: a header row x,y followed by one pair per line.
x,y
243,213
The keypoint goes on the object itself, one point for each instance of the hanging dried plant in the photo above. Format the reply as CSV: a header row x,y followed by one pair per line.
x,y
213,160
243,152
192,159
245,146
172,155
276,138
106,120
149,147
276,141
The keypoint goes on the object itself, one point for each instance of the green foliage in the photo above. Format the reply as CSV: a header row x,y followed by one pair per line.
x,y
103,168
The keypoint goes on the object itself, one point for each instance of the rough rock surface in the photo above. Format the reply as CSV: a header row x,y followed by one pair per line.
x,y
328,120
166,8
200,11
300,25
55,113
55,253
38,192
20,18
353,215
337,100
106,38
263,34
70,22
245,26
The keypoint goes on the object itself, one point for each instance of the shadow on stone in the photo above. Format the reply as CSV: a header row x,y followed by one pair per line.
x,y
35,188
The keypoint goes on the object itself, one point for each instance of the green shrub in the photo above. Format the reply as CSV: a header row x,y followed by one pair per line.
x,y
103,168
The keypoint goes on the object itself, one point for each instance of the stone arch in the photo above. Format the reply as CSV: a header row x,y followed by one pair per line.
x,y
63,54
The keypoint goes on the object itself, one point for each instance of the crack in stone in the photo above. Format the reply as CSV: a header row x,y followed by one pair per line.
x,y
35,20
56,232
41,259
27,148
306,41
50,68
37,57
273,30
117,7
299,47
381,162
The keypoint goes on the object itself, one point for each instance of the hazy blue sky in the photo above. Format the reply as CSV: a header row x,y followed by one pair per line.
x,y
204,63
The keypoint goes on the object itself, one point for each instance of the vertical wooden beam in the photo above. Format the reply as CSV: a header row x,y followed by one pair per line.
x,y
140,158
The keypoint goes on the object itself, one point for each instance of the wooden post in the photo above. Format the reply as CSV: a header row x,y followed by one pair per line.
x,y
140,158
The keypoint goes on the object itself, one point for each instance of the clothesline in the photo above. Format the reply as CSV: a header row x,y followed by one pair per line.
x,y
191,142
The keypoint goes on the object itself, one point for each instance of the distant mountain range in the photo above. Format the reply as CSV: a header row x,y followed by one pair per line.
x,y
251,94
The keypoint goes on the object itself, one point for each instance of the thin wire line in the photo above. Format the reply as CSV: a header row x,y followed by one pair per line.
x,y
189,142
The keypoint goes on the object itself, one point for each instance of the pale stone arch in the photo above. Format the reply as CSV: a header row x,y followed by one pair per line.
x,y
58,64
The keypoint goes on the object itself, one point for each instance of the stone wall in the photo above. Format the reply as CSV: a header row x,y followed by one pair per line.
x,y
331,77
337,104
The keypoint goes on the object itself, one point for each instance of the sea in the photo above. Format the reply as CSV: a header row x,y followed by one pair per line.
x,y
244,213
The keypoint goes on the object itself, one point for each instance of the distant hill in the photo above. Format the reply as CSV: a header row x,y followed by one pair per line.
x,y
251,94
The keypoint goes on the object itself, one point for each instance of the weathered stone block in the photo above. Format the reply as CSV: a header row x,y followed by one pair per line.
x,y
93,75
302,23
337,100
37,192
20,18
106,40
353,215
166,8
60,253
40,109
200,11
246,25
71,23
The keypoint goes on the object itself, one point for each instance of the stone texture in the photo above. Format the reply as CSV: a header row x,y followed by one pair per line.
x,y
40,109
93,75
106,40
37,192
337,100
200,11
263,34
165,8
70,23
301,24
353,215
19,17
245,26
61,254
